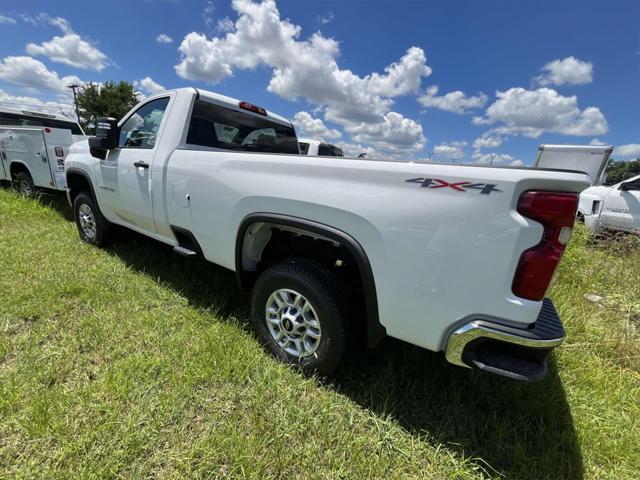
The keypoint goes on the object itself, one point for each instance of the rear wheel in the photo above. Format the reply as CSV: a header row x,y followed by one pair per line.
x,y
90,223
23,183
296,314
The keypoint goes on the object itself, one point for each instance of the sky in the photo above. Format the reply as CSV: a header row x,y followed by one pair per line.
x,y
446,81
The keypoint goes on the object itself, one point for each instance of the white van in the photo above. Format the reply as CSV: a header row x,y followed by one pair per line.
x,y
33,148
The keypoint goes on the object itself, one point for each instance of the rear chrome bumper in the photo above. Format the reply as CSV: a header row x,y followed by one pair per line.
x,y
517,353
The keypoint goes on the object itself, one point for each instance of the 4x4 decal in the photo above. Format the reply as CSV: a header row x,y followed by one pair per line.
x,y
485,188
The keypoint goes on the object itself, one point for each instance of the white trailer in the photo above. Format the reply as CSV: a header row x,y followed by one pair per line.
x,y
590,159
33,148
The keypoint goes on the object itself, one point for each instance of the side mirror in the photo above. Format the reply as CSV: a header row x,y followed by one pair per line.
x,y
106,137
626,186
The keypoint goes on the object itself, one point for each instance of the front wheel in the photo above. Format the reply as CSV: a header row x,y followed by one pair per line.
x,y
89,220
295,312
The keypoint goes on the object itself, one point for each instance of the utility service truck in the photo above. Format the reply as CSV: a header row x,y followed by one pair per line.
x,y
33,148
450,258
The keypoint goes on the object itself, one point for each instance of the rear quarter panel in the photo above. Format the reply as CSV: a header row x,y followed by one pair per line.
x,y
438,254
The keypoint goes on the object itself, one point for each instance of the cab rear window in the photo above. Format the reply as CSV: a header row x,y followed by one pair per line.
x,y
326,150
304,148
216,126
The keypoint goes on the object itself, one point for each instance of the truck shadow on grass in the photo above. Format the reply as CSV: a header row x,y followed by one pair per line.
x,y
509,429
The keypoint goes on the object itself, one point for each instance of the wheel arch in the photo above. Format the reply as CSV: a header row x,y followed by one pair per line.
x,y
375,330
78,181
17,166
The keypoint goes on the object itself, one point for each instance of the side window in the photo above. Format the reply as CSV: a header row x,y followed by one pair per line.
x,y
141,129
304,148
324,150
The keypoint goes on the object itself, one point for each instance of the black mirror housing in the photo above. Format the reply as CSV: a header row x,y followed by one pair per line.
x,y
106,137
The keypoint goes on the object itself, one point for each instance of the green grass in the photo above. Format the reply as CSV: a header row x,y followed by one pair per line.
x,y
132,362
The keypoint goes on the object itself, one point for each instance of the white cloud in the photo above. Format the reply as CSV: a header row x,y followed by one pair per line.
x,y
225,25
533,112
45,19
402,77
149,86
326,18
456,102
487,140
308,69
4,20
164,38
21,102
70,49
496,159
597,142
29,72
450,150
207,14
568,71
394,137
629,151
314,127
355,149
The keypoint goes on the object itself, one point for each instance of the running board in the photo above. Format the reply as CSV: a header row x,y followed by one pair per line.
x,y
185,252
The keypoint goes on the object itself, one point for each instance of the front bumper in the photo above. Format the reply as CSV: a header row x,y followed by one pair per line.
x,y
516,353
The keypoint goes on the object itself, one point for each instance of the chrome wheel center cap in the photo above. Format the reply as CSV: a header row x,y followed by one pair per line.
x,y
293,323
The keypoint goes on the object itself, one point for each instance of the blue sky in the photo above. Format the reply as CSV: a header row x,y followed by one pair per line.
x,y
461,81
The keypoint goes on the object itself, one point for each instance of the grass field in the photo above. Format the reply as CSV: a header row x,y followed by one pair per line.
x,y
132,362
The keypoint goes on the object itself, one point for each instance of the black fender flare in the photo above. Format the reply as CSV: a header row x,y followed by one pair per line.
x,y
375,330
76,171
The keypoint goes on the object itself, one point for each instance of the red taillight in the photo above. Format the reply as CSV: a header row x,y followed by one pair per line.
x,y
556,212
47,130
253,108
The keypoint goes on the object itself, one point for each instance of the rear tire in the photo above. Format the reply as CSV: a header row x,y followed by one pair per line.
x,y
90,222
296,314
23,183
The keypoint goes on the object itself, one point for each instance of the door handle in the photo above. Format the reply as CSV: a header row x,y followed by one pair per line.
x,y
141,165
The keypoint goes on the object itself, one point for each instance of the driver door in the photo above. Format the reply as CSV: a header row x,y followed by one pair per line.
x,y
126,172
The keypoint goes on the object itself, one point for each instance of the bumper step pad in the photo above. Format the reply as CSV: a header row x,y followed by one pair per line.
x,y
519,354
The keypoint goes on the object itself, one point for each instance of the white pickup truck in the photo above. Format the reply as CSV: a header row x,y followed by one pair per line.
x,y
447,257
318,148
613,208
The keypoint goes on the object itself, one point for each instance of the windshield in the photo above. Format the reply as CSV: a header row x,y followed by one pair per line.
x,y
216,126
19,120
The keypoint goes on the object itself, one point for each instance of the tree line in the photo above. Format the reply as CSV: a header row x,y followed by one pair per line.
x,y
109,99
619,170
